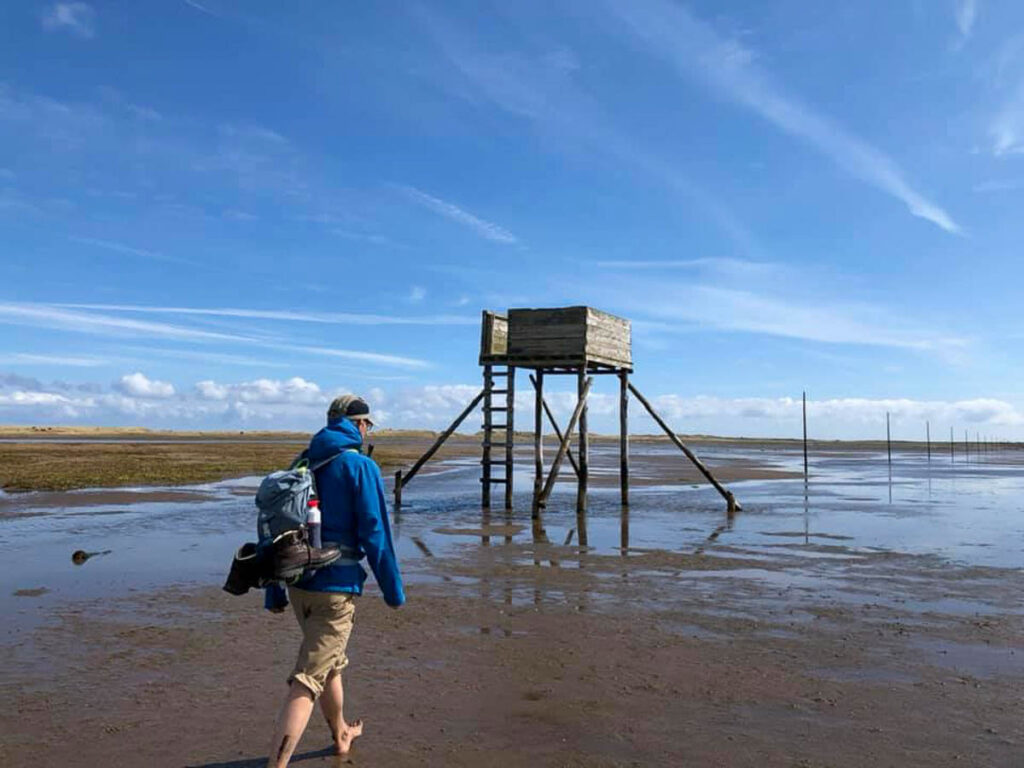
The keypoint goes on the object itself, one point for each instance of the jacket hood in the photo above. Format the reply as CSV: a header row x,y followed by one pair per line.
x,y
339,435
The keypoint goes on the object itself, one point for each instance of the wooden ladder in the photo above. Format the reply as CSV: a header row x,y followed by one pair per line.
x,y
500,400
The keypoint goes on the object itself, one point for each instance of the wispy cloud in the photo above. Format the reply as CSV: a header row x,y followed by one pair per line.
x,y
729,69
111,245
540,87
77,18
199,7
338,318
62,319
26,358
485,229
56,317
999,185
966,13
365,237
711,307
1007,130
722,266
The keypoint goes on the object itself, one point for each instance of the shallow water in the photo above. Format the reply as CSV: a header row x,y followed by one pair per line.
x,y
965,513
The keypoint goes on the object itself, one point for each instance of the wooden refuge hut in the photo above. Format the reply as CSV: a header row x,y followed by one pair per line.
x,y
573,341
567,341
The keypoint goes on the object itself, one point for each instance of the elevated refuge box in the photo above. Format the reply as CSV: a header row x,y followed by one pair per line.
x,y
565,337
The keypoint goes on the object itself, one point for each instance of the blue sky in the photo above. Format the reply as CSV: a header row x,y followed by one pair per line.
x,y
219,214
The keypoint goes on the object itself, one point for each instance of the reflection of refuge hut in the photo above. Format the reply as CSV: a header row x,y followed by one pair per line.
x,y
569,341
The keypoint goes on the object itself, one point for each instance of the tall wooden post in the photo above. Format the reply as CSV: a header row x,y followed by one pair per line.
x,y
510,434
928,437
582,449
805,437
398,490
624,437
951,449
888,441
538,435
967,447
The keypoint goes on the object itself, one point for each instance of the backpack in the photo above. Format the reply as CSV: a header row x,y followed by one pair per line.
x,y
283,498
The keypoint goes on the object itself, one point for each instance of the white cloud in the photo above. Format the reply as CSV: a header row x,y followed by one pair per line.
x,y
293,390
211,390
862,411
417,294
485,229
77,18
22,398
297,403
966,14
138,385
696,51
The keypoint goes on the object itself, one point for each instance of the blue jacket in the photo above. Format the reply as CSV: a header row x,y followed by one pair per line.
x,y
354,514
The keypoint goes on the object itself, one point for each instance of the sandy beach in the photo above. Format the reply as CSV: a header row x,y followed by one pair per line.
x,y
861,622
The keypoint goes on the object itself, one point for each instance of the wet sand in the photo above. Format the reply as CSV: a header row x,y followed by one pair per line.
x,y
854,622
595,661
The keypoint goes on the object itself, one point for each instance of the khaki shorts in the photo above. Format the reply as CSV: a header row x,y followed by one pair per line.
x,y
326,622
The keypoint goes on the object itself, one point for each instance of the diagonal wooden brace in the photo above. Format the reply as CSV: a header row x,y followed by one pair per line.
x,y
405,478
563,448
730,500
554,426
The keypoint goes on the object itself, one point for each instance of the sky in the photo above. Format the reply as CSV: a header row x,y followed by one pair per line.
x,y
220,214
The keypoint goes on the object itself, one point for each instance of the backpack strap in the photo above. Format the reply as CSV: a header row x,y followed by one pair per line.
x,y
321,464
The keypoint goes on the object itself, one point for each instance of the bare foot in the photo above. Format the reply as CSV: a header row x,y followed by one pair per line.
x,y
343,741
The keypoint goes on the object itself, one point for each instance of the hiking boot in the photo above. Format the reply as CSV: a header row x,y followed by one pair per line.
x,y
292,555
248,570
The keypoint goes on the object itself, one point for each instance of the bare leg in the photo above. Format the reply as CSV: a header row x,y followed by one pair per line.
x,y
291,723
331,703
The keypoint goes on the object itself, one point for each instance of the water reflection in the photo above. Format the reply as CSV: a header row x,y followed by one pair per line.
x,y
730,517
958,511
624,531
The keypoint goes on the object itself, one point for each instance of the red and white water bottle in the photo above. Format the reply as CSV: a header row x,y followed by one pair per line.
x,y
313,522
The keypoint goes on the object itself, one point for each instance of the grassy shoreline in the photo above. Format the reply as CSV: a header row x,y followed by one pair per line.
x,y
78,461
69,458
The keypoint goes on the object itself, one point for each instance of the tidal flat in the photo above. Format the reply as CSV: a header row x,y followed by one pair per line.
x,y
861,619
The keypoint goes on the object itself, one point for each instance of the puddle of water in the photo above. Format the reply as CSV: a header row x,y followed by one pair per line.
x,y
972,659
862,675
968,513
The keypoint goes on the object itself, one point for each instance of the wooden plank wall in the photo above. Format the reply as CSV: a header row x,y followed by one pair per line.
x,y
609,337
569,336
493,338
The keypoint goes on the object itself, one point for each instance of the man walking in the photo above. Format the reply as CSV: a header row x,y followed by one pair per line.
x,y
354,516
